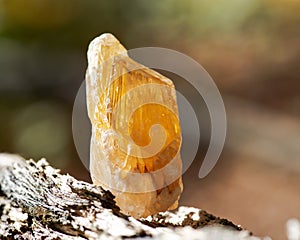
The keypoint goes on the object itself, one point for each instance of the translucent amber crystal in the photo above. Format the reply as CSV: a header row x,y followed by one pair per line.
x,y
136,134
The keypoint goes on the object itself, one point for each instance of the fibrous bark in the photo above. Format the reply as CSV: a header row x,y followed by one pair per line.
x,y
37,202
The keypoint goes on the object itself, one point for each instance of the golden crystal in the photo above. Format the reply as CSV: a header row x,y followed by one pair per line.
x,y
136,134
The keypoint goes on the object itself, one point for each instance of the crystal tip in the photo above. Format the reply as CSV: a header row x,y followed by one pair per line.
x,y
107,39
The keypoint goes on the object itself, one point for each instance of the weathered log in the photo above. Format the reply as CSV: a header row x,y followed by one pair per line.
x,y
37,202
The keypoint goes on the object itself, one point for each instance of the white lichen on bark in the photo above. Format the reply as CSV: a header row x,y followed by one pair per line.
x,y
37,202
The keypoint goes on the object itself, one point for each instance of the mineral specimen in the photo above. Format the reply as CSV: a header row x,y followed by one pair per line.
x,y
136,137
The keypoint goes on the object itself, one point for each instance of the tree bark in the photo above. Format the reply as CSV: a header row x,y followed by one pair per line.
x,y
37,202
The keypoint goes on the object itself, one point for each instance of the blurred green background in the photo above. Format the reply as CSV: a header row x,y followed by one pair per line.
x,y
250,48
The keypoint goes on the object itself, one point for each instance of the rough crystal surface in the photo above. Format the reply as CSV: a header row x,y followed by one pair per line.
x,y
136,135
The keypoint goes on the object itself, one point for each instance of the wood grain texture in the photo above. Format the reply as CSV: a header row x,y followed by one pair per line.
x,y
37,202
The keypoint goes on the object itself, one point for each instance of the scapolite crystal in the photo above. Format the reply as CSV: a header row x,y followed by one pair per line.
x,y
136,137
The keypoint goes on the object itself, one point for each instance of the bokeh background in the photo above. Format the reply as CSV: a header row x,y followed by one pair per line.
x,y
250,48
